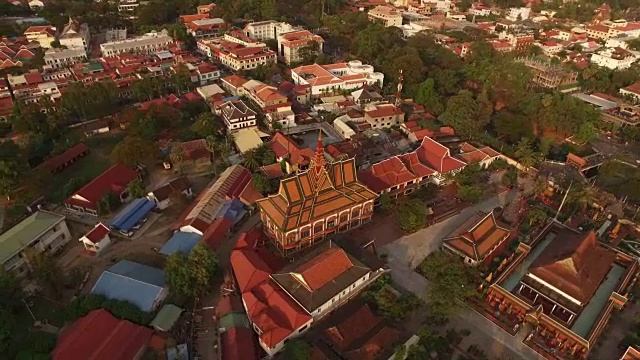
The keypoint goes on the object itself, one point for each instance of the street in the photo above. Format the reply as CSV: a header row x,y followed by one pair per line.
x,y
409,251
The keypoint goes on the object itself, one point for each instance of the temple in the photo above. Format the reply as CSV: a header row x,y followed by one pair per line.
x,y
316,203
478,239
562,287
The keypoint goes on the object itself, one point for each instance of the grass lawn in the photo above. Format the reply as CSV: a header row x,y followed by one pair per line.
x,y
85,169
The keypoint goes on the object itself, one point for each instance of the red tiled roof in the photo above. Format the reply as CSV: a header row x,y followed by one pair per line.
x,y
437,156
238,344
6,105
33,78
324,268
97,233
100,336
115,179
216,232
386,174
633,88
62,160
193,17
235,80
249,269
195,149
346,333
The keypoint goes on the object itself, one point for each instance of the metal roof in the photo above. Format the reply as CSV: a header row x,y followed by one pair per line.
x,y
132,214
25,232
136,283
182,242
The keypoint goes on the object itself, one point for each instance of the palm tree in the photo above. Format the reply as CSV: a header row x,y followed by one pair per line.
x,y
526,154
537,216
251,160
177,156
540,185
583,197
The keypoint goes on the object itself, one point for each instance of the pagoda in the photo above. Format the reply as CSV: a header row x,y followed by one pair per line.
x,y
325,199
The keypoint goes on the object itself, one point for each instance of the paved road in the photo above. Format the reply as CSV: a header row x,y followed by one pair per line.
x,y
412,249
409,251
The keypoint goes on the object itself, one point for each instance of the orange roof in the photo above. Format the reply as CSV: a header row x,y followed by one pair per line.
x,y
345,334
386,174
576,265
576,160
324,268
314,194
477,236
235,80
268,93
437,156
470,154
631,354
383,110
193,17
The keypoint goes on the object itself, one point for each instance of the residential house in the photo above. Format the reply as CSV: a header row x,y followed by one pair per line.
x,y
162,196
614,58
383,115
114,180
333,78
237,115
206,28
43,35
75,35
632,91
291,45
357,333
385,15
317,203
100,335
415,131
598,31
206,9
478,240
266,96
141,285
483,156
521,13
97,239
207,73
237,51
550,47
70,156
147,43
343,129
42,231
62,58
233,84
196,155
286,150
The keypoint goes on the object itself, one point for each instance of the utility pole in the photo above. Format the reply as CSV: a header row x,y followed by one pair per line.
x,y
30,312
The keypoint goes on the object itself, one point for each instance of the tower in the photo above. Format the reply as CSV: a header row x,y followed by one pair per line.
x,y
399,93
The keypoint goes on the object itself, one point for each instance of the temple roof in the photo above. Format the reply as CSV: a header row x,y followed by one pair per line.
x,y
575,265
476,236
322,190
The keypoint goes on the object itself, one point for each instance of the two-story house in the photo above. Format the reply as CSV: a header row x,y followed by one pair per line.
x,y
237,115
41,232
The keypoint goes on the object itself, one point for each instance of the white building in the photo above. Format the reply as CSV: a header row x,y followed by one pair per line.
x,y
343,129
128,5
111,35
249,55
329,79
237,115
97,239
162,195
266,30
147,43
386,15
42,232
61,58
75,35
550,47
282,115
290,44
521,13
614,58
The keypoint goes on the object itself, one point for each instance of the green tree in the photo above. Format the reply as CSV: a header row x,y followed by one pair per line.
x,y
525,153
191,275
470,193
386,203
536,216
461,113
46,272
452,283
134,150
545,145
251,160
177,156
137,189
412,216
582,196
586,133
428,96
205,124
297,349
261,183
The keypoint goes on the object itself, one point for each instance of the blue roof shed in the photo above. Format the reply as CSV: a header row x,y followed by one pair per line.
x,y
141,285
182,242
132,214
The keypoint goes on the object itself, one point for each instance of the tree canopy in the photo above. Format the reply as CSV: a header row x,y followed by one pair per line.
x,y
191,275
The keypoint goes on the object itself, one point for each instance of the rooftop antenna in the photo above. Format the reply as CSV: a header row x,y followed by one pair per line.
x,y
555,218
399,93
